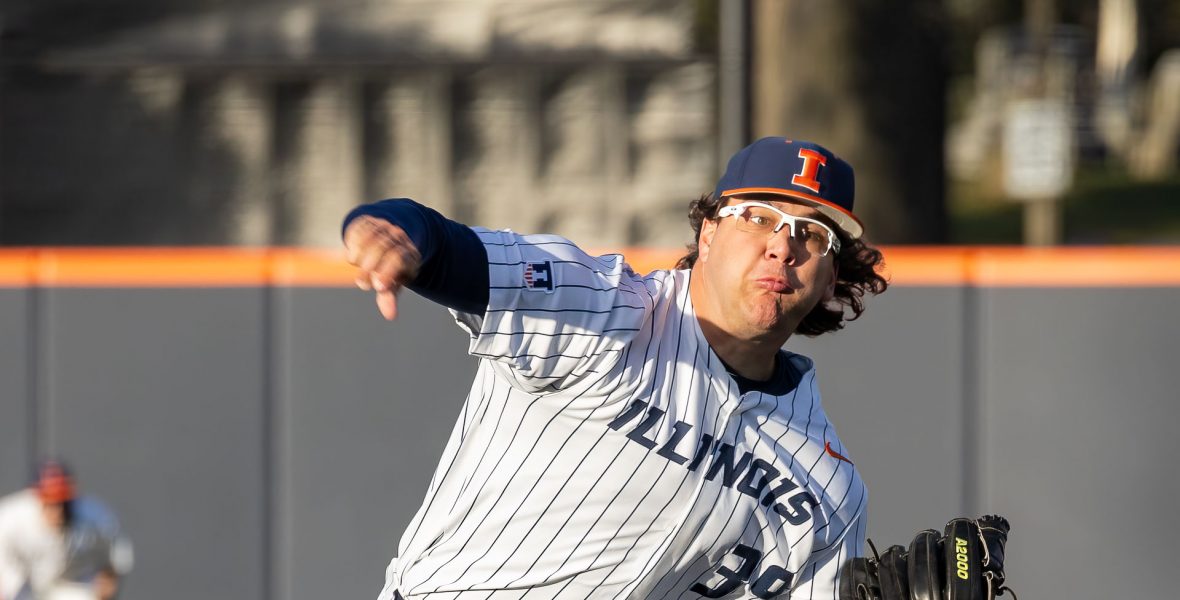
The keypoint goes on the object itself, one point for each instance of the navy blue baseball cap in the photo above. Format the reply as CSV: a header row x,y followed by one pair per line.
x,y
804,172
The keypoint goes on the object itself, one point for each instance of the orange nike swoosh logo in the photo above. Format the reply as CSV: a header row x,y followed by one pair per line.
x,y
828,447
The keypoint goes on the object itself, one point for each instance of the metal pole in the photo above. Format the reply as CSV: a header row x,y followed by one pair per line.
x,y
733,123
1042,222
2,72
1042,218
1039,18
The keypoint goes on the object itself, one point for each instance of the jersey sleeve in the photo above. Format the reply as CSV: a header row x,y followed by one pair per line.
x,y
820,578
554,312
95,543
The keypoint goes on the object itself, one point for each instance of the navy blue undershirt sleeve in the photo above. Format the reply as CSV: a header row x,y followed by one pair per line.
x,y
454,270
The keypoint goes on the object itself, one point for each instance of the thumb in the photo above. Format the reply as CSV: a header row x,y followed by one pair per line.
x,y
387,303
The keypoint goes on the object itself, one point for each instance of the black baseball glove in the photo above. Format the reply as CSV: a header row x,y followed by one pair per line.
x,y
965,562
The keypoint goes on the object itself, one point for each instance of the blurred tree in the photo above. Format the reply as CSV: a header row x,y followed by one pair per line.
x,y
1159,30
706,20
868,80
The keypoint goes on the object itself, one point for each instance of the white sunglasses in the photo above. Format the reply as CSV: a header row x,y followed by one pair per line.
x,y
759,217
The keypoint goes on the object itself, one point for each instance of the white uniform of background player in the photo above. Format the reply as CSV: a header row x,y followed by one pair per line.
x,y
41,560
606,450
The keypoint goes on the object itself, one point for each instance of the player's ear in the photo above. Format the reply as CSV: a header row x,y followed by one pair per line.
x,y
705,240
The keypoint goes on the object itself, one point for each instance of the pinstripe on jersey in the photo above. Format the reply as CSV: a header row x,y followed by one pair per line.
x,y
605,452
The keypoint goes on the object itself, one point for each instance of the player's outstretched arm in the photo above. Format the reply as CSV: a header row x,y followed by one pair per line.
x,y
385,257
400,243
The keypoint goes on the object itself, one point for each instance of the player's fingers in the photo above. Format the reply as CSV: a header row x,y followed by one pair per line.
x,y
387,303
409,257
364,280
376,249
398,266
357,236
391,253
367,238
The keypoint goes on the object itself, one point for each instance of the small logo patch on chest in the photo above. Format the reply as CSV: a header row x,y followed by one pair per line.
x,y
538,276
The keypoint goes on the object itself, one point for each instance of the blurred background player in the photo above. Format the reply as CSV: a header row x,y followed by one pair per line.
x,y
58,545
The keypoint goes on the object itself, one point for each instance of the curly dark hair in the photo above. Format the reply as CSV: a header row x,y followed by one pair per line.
x,y
859,267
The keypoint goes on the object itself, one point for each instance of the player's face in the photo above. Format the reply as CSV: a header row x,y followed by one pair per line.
x,y
55,514
758,283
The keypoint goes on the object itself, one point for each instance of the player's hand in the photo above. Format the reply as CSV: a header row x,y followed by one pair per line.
x,y
964,562
106,585
385,257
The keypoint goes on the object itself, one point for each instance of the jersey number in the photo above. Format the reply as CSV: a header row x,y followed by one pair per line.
x,y
772,582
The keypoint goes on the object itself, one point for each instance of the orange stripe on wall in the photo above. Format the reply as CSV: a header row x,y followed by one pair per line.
x,y
16,268
646,260
1078,267
927,265
904,266
311,268
992,266
152,267
136,267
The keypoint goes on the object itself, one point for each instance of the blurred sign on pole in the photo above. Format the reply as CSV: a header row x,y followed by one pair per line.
x,y
1038,150
1039,164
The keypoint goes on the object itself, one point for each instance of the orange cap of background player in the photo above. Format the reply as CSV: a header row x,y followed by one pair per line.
x,y
55,484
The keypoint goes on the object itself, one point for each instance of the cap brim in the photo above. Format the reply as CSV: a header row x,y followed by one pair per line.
x,y
844,219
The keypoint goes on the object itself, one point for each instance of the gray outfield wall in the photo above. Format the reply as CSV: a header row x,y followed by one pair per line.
x,y
271,442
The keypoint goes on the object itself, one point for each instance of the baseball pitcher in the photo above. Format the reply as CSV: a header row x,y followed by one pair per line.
x,y
639,436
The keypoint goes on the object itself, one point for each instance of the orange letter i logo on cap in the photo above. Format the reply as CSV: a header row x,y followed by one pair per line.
x,y
812,161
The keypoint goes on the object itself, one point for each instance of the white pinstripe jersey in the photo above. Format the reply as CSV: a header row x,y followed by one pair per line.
x,y
605,452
